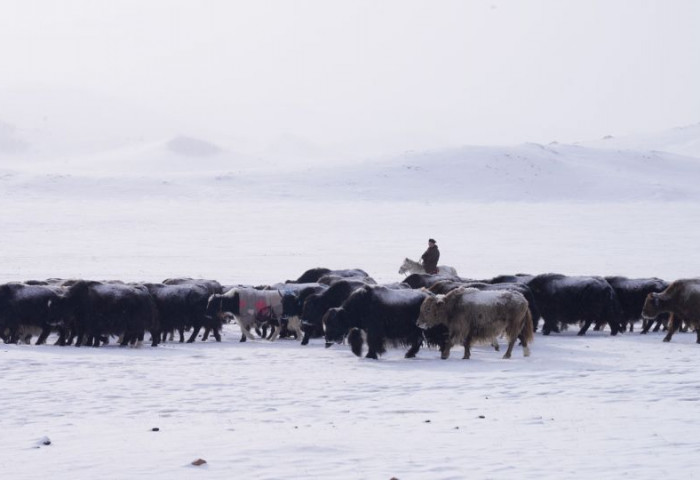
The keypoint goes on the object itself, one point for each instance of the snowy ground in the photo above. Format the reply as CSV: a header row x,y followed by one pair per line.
x,y
597,406
578,407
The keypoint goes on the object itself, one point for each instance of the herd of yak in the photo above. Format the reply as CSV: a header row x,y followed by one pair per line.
x,y
441,311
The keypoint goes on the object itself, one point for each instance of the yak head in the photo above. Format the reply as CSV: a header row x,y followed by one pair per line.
x,y
431,311
335,325
290,304
214,306
652,306
223,306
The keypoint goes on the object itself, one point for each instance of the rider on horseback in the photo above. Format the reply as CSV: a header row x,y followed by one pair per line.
x,y
430,258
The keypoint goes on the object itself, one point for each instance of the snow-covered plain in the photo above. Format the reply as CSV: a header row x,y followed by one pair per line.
x,y
594,406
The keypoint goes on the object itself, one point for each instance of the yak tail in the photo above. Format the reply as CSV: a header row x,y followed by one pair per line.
x,y
528,332
355,339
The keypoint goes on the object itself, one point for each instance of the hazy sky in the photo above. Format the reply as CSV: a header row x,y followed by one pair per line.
x,y
360,76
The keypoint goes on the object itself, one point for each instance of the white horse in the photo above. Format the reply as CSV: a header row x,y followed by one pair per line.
x,y
411,266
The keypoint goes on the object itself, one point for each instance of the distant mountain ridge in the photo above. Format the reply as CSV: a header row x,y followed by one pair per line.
x,y
680,140
608,170
529,172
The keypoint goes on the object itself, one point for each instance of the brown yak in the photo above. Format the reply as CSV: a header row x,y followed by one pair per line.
x,y
475,315
682,300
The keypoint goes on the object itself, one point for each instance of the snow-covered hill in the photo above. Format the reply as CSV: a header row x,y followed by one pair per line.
x,y
681,140
530,173
605,171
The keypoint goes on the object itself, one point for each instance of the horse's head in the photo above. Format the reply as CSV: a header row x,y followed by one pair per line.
x,y
404,266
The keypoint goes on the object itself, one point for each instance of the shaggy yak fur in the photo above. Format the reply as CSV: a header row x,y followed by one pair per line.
x,y
213,287
446,286
333,278
682,300
517,278
570,300
317,304
382,314
181,307
314,275
632,293
311,275
473,315
24,309
97,310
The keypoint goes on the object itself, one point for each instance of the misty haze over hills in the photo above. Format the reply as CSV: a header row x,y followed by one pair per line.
x,y
662,166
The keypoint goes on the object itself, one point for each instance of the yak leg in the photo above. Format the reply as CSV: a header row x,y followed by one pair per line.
x,y
155,338
616,327
415,346
584,329
206,334
275,333
494,344
217,335
550,326
511,344
62,333
245,333
672,328
43,336
523,342
375,345
195,332
136,339
12,336
306,337
467,348
294,325
371,349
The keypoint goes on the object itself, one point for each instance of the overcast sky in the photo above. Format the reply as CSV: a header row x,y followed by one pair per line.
x,y
361,76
